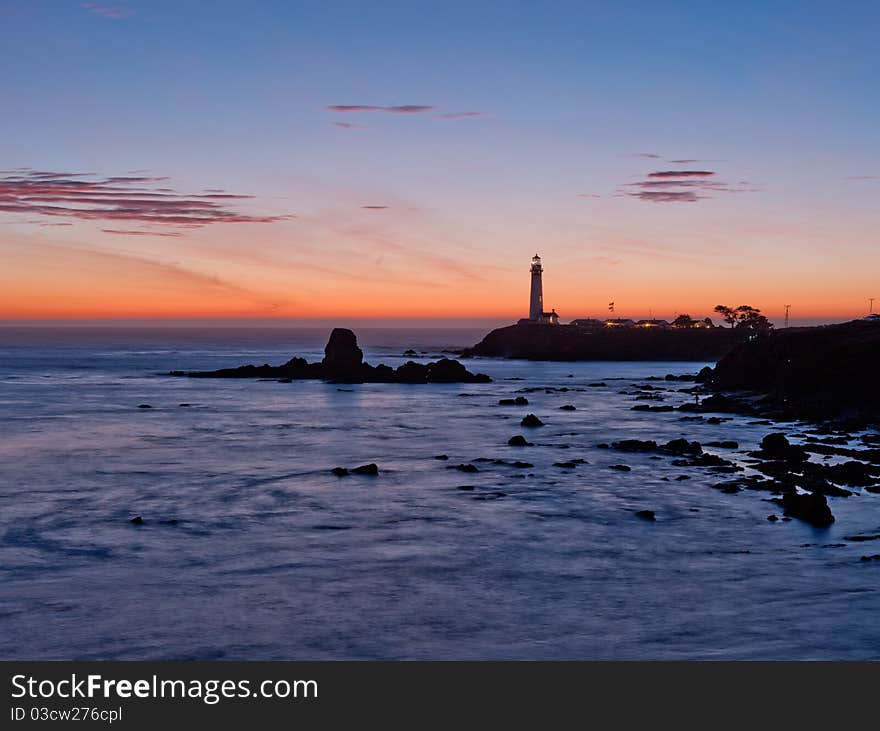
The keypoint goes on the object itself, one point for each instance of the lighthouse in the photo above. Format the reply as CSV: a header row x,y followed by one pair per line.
x,y
536,298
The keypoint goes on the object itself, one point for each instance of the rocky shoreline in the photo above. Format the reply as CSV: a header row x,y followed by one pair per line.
x,y
344,363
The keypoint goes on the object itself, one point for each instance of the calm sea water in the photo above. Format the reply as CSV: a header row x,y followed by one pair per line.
x,y
251,549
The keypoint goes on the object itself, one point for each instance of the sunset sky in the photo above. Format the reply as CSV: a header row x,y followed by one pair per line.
x,y
165,159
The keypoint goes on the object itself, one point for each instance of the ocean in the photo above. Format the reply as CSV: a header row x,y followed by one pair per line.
x,y
250,549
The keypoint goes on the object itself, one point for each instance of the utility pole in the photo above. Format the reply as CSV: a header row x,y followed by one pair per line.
x,y
787,308
871,309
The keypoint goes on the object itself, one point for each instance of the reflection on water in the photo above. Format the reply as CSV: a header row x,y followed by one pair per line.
x,y
251,548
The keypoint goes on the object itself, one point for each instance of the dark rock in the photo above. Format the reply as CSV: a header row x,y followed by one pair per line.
x,y
724,444
648,407
809,507
465,487
366,469
467,468
518,441
144,406
183,405
568,407
875,557
777,447
441,456
567,465
772,518
342,356
682,446
137,520
531,420
706,460
452,371
681,478
409,353
850,473
861,538
600,384
523,465
705,375
620,467
339,471
646,514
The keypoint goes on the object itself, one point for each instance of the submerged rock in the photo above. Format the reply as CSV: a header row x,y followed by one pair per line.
x,y
366,469
518,441
339,471
646,514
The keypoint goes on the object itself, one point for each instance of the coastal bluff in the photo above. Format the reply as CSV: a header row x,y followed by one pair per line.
x,y
343,362
827,371
573,343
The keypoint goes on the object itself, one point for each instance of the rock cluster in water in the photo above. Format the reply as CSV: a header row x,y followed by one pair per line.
x,y
344,363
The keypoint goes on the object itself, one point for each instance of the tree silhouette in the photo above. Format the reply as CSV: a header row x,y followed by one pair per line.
x,y
728,314
683,321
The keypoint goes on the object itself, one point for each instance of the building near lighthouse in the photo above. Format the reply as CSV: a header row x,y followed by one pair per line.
x,y
537,315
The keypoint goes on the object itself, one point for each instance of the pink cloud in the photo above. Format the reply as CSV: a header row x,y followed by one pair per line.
x,y
117,198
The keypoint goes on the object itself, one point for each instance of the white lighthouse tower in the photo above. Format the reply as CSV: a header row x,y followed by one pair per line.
x,y
536,298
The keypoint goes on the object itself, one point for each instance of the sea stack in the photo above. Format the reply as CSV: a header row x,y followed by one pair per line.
x,y
342,356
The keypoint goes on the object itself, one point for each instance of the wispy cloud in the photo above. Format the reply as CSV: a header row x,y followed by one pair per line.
x,y
375,208
116,12
588,195
170,234
349,125
459,115
399,109
667,196
681,174
84,196
685,162
862,177
681,186
650,155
